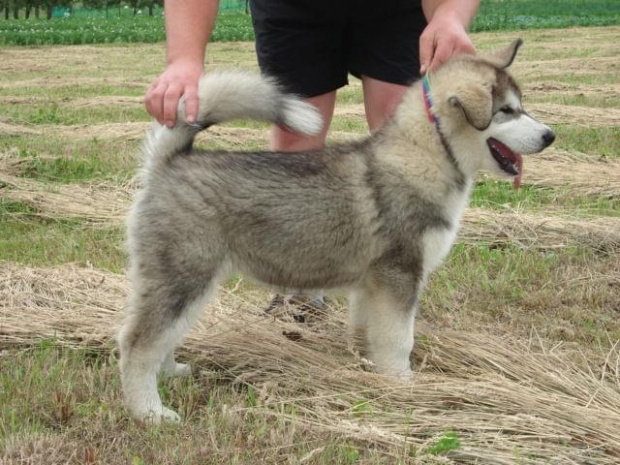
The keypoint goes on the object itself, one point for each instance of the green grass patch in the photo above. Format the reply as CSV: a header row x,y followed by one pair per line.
x,y
594,141
502,274
43,389
72,160
14,209
71,400
490,282
28,239
349,123
350,95
498,15
68,170
126,29
49,94
502,194
447,442
52,113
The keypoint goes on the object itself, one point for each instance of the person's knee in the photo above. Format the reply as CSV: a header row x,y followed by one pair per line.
x,y
381,99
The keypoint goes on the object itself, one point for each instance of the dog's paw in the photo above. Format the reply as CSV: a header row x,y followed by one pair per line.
x,y
404,377
158,415
176,370
169,415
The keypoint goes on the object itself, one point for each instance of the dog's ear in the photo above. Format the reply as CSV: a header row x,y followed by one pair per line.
x,y
476,103
504,57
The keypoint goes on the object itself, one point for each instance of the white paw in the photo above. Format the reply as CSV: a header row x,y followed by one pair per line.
x,y
157,415
169,415
177,369
404,377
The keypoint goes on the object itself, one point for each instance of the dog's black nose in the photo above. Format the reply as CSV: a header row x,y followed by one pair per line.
x,y
548,138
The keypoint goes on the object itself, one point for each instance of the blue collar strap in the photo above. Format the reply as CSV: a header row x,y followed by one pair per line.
x,y
428,101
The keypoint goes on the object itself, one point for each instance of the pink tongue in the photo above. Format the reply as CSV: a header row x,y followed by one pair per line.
x,y
514,157
519,163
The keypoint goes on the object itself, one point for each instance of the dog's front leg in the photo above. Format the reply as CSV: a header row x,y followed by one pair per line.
x,y
386,308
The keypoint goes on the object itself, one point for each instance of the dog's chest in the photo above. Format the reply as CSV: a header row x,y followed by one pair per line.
x,y
437,242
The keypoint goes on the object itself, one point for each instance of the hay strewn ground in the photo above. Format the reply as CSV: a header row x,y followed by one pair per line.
x,y
550,402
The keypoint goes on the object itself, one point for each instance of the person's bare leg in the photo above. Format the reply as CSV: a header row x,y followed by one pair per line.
x,y
380,100
284,140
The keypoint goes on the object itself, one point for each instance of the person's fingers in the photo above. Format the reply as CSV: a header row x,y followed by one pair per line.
x,y
170,104
148,97
464,46
443,52
154,101
427,45
191,103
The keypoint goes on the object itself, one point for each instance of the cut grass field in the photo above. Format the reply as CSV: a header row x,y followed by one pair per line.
x,y
518,348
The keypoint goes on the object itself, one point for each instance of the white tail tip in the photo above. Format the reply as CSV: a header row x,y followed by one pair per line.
x,y
302,117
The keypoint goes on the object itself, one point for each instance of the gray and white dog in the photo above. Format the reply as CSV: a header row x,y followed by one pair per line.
x,y
372,218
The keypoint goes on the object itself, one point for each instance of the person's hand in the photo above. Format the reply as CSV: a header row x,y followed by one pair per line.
x,y
162,98
444,37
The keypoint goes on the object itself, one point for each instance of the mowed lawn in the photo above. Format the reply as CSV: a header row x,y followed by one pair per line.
x,y
517,355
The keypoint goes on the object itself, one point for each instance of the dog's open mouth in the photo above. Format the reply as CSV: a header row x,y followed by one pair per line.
x,y
509,161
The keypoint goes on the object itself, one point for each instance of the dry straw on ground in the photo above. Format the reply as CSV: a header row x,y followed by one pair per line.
x,y
573,115
505,398
539,231
580,175
97,204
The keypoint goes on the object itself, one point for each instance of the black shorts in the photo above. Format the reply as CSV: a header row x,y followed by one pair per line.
x,y
311,46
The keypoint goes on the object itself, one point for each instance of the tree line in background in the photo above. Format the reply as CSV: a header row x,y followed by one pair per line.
x,y
16,9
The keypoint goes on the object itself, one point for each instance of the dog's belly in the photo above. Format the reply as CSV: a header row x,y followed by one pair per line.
x,y
301,275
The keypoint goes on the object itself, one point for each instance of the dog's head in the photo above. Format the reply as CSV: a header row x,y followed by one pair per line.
x,y
479,107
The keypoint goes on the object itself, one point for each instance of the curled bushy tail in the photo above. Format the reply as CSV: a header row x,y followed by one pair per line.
x,y
223,96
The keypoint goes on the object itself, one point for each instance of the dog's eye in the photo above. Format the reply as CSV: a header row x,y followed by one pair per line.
x,y
507,110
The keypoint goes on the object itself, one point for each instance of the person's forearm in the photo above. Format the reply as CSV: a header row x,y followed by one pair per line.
x,y
188,26
465,10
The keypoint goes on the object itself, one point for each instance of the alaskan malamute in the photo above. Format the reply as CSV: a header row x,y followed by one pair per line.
x,y
373,217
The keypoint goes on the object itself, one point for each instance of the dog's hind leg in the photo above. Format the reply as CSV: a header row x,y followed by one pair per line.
x,y
384,309
358,318
170,289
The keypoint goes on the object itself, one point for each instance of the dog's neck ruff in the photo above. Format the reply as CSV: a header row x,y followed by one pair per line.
x,y
434,120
